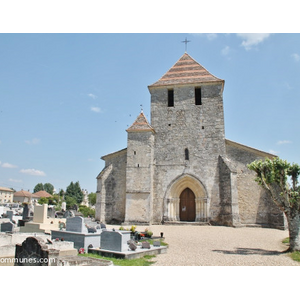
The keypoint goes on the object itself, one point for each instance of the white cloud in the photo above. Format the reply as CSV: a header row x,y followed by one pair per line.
x,y
8,166
252,39
33,172
225,51
92,96
296,57
34,141
283,142
96,109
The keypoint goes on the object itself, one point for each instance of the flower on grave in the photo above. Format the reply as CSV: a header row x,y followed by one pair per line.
x,y
141,234
81,251
57,239
149,233
132,229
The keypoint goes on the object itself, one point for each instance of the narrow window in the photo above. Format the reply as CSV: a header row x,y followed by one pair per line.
x,y
134,152
198,96
186,153
170,98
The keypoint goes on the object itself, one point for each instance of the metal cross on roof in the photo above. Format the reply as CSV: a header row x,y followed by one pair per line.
x,y
185,41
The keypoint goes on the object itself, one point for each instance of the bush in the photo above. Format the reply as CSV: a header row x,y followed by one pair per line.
x,y
87,211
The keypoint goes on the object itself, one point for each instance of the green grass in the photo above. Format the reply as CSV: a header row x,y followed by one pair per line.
x,y
143,261
294,255
286,240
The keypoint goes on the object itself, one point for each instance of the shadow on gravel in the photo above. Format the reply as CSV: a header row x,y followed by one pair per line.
x,y
249,251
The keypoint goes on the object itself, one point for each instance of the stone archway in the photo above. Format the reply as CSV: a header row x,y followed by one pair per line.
x,y
172,198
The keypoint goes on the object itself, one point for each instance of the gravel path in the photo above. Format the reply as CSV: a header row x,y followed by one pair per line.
x,y
221,246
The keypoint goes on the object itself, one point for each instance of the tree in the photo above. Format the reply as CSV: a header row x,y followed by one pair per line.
x,y
43,200
92,198
73,190
48,187
70,202
38,187
275,175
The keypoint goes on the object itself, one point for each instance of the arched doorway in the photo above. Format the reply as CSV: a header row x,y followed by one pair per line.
x,y
187,209
189,187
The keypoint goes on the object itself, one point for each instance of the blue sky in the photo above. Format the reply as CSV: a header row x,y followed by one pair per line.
x,y
67,99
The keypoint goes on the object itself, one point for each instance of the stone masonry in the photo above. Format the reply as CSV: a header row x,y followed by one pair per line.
x,y
181,168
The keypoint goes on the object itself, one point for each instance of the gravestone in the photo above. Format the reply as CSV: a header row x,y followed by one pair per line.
x,y
40,213
51,212
132,245
26,212
145,245
64,206
34,252
10,214
114,240
76,224
6,227
156,243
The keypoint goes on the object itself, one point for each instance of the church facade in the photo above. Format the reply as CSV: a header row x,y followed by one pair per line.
x,y
180,167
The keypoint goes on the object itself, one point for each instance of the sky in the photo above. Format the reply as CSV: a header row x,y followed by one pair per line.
x,y
67,99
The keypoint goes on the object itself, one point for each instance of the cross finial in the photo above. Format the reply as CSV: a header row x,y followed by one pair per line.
x,y
141,105
185,41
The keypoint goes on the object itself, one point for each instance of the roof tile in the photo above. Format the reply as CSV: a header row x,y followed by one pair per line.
x,y
186,70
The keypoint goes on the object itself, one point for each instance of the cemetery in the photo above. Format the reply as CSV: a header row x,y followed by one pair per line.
x,y
37,235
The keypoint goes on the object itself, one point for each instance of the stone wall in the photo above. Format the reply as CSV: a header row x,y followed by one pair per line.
x,y
229,208
139,173
111,189
198,128
255,205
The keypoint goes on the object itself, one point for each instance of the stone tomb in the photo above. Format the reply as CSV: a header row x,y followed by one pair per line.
x,y
76,224
35,252
115,240
41,222
7,227
77,232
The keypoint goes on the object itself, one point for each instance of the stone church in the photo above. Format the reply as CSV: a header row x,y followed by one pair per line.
x,y
180,167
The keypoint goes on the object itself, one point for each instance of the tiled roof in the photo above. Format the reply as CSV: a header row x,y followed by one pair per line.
x,y
140,124
186,71
22,194
4,189
41,194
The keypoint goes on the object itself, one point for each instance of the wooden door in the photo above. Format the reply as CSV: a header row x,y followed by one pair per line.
x,y
187,206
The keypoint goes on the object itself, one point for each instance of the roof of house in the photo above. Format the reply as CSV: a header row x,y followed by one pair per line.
x,y
4,189
41,194
22,194
186,71
140,124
